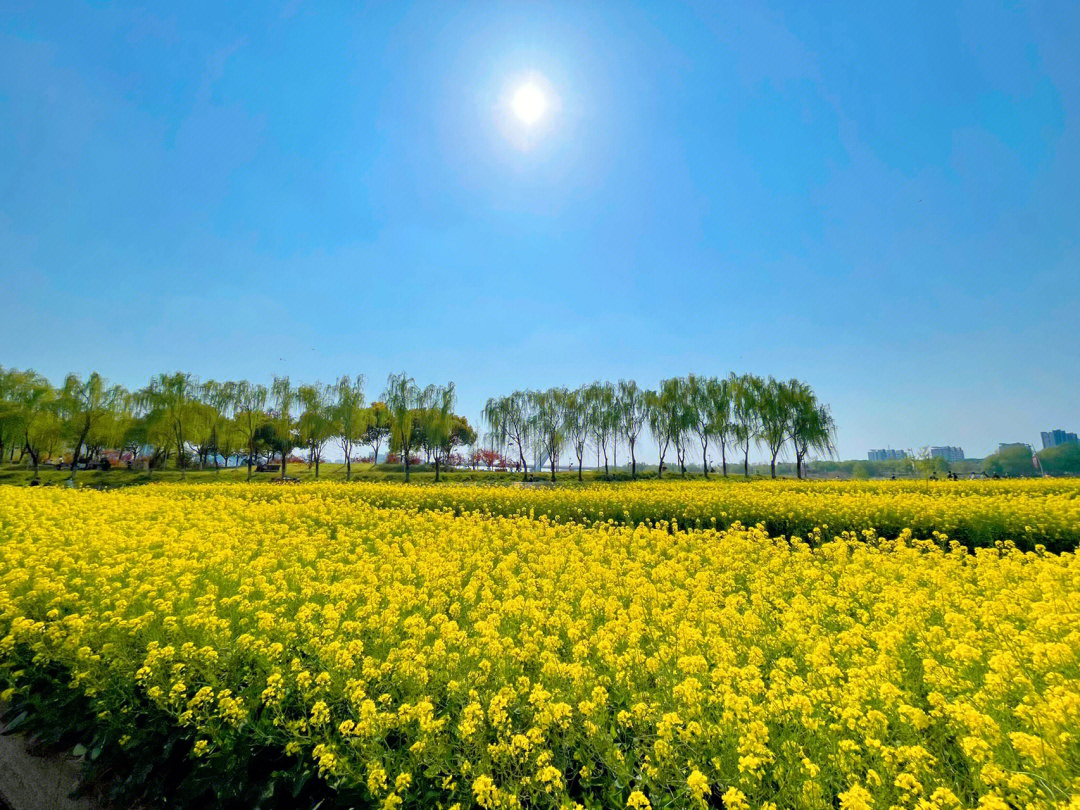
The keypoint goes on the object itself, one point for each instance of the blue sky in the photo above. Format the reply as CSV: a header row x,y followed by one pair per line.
x,y
881,202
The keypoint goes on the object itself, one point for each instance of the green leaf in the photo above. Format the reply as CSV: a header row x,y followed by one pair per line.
x,y
79,750
18,721
303,780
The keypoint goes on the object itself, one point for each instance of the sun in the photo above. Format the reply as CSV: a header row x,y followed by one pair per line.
x,y
529,103
528,110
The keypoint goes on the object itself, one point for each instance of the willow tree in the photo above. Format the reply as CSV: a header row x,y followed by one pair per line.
x,y
14,386
174,396
577,424
41,427
221,398
82,404
437,414
315,425
603,418
720,416
548,413
116,427
378,429
284,397
401,398
659,419
700,393
200,437
251,401
774,409
745,390
509,419
10,412
811,424
633,414
675,399
350,416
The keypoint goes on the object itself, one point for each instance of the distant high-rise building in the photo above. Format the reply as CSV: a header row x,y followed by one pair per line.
x,y
1052,438
886,455
947,453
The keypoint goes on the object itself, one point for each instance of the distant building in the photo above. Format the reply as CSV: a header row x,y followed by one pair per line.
x,y
947,453
887,455
1052,438
1010,445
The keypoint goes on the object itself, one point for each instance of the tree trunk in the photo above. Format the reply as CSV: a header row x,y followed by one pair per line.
x,y
723,455
284,456
772,465
436,470
33,459
316,468
405,460
746,462
348,463
705,457
75,454
553,462
251,455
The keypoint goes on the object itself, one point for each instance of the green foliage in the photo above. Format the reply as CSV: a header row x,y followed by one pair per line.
x,y
402,398
1014,462
152,767
179,419
1061,460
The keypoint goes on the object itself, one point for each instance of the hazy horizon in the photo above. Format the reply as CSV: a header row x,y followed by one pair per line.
x,y
882,203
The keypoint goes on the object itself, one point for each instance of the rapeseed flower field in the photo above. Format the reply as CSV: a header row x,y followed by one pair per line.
x,y
451,647
977,513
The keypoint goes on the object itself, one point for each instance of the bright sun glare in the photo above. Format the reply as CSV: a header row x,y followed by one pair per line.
x,y
529,103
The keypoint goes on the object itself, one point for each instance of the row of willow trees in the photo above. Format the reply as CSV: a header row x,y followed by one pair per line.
x,y
193,423
178,417
685,416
